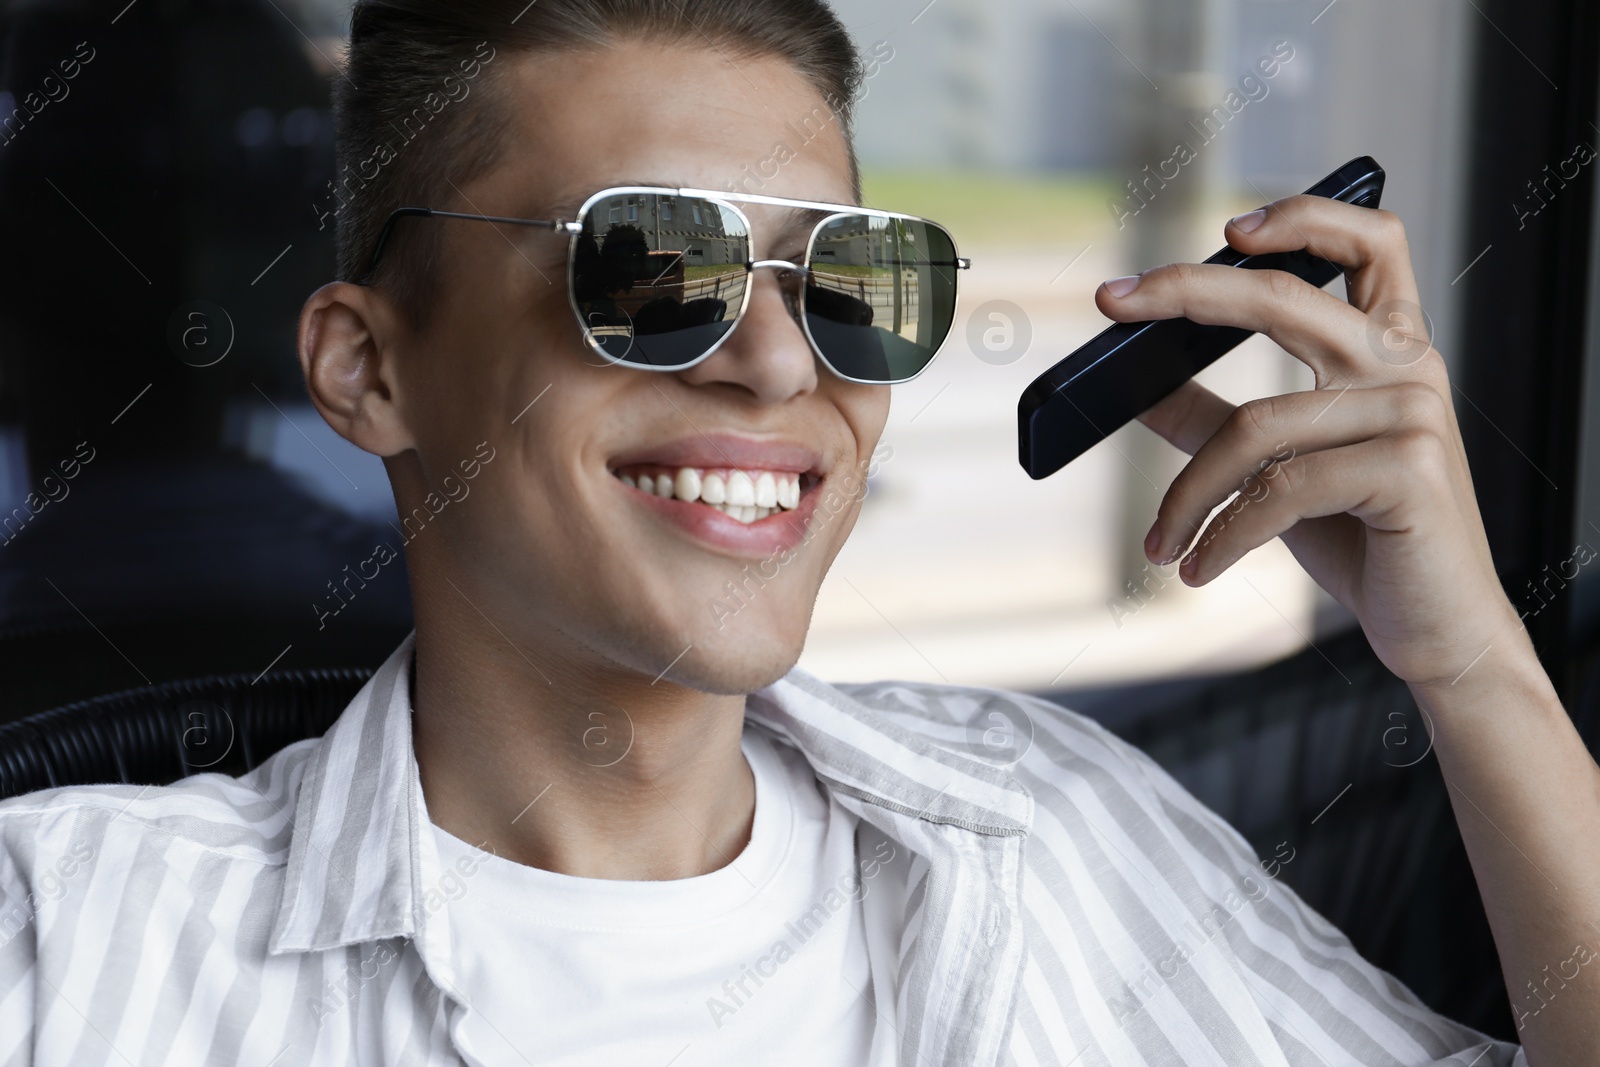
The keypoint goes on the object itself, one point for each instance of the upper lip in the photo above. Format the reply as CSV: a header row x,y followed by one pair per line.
x,y
727,451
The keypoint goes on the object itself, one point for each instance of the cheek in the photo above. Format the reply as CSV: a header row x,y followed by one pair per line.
x,y
865,409
551,482
527,519
489,367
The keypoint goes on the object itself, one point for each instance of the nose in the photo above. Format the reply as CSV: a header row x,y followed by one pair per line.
x,y
767,353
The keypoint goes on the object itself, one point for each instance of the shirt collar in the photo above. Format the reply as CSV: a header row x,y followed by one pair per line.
x,y
353,870
355,853
860,750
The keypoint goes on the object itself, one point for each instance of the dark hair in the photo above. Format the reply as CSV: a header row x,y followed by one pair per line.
x,y
401,139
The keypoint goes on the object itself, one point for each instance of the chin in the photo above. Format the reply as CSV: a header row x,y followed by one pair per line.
x,y
735,667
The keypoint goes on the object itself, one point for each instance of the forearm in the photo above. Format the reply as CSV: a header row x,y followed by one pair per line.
x,y
1526,794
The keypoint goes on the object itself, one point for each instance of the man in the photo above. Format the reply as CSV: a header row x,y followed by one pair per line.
x,y
580,818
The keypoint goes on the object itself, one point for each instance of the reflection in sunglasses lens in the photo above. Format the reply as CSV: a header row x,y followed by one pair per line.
x,y
881,295
658,278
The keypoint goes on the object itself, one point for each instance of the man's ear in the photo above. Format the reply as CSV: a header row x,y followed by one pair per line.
x,y
348,336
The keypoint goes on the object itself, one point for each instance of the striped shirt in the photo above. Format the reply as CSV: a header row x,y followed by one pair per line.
x,y
1065,902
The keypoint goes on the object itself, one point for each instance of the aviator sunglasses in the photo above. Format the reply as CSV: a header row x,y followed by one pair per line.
x,y
658,278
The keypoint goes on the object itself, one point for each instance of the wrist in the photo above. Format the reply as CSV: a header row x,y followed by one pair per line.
x,y
1505,685
1487,644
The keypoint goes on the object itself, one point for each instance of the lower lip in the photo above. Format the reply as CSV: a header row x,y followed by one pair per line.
x,y
779,532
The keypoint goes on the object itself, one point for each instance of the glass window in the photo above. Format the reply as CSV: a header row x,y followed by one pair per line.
x,y
1046,137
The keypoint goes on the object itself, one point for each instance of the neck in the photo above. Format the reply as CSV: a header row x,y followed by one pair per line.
x,y
557,761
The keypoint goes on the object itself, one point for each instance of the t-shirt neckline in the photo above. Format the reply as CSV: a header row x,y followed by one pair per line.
x,y
549,898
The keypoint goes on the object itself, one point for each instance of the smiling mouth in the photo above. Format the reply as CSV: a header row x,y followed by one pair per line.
x,y
745,495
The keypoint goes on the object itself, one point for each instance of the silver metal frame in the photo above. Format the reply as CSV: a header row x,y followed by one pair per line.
x,y
729,200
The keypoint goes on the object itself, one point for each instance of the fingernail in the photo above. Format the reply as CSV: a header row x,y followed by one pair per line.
x,y
1251,220
1152,540
1120,287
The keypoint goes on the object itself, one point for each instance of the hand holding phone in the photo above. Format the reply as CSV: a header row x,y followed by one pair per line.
x,y
1131,366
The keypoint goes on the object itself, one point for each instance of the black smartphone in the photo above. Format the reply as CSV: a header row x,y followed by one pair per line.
x,y
1128,368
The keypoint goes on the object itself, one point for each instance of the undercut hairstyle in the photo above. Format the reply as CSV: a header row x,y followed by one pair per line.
x,y
419,105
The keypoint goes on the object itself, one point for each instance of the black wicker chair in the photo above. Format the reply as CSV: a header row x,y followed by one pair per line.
x,y
158,734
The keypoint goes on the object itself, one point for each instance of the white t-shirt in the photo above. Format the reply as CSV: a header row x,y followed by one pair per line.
x,y
767,960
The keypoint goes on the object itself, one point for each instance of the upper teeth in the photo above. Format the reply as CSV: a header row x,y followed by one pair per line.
x,y
748,496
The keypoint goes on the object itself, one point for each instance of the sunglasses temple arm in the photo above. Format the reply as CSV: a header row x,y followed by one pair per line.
x,y
558,225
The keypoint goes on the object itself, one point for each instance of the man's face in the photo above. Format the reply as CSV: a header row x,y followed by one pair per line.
x,y
552,542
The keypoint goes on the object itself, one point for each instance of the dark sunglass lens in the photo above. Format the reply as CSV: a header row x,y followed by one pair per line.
x,y
881,295
659,279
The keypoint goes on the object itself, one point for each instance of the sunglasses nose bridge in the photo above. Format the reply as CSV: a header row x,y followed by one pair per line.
x,y
780,264
792,279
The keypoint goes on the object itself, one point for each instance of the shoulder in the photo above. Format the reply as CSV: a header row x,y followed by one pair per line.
x,y
1074,767
997,726
248,818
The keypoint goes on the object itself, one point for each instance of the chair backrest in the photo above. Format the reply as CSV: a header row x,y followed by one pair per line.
x,y
155,735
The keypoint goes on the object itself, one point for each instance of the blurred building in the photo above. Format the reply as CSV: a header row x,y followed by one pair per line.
x,y
1060,84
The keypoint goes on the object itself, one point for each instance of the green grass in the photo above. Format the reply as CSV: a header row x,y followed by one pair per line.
x,y
985,209
693,272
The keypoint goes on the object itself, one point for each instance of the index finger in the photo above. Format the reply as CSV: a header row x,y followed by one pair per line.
x,y
1369,243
